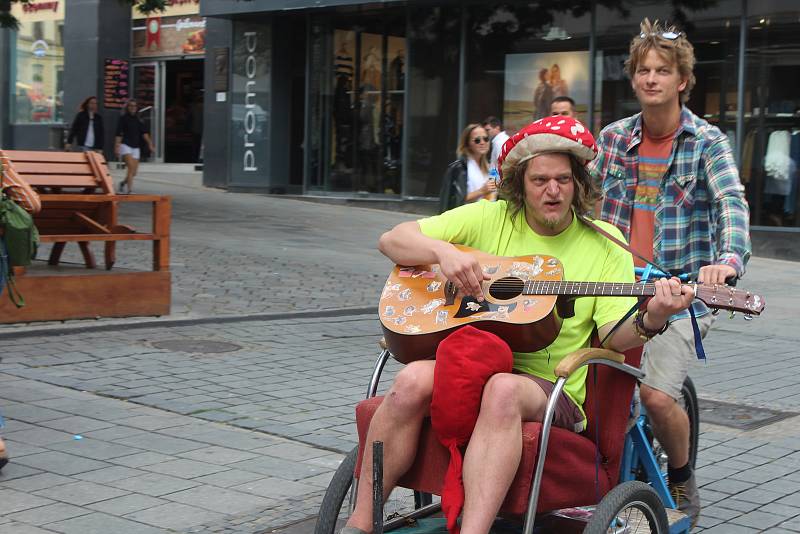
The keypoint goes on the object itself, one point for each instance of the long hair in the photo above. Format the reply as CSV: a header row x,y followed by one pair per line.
x,y
513,189
128,103
463,147
85,104
678,51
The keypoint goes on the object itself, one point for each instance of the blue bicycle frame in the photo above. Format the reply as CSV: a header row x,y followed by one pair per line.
x,y
656,273
639,453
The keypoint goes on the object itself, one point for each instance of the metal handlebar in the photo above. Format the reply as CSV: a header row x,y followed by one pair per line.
x,y
657,273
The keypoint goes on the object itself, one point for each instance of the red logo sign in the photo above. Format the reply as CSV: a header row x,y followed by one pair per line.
x,y
35,7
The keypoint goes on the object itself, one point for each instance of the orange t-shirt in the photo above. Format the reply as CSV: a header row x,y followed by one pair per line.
x,y
654,159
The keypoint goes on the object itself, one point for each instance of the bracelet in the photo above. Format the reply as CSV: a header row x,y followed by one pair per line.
x,y
642,331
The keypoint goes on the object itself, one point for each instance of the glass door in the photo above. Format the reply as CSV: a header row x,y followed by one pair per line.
x,y
147,92
356,103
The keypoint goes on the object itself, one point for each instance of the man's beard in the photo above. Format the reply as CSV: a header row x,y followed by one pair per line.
x,y
552,223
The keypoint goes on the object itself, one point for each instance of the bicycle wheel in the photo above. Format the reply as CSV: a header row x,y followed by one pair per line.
x,y
330,511
336,504
689,394
690,406
632,507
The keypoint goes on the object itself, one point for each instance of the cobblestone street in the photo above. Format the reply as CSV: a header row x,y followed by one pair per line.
x,y
232,414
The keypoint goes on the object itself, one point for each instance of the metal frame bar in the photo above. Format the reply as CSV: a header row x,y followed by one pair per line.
x,y
380,363
533,500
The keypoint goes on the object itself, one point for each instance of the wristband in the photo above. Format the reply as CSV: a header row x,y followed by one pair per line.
x,y
642,331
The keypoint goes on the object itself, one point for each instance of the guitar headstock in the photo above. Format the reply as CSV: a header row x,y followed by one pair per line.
x,y
720,296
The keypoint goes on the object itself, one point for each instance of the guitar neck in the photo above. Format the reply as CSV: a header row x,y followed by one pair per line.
x,y
596,289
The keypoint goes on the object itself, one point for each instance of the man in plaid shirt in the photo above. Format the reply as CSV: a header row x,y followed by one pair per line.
x,y
670,184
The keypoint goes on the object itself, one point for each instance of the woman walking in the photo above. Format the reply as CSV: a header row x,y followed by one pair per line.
x,y
87,130
131,131
467,178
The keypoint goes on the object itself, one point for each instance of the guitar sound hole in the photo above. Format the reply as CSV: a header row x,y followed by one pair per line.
x,y
506,288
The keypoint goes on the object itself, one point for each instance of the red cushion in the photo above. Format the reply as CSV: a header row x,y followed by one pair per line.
x,y
465,361
569,473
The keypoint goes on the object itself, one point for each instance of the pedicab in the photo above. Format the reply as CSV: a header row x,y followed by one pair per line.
x,y
608,478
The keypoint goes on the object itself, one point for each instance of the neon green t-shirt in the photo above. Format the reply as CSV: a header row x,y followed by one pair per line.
x,y
586,256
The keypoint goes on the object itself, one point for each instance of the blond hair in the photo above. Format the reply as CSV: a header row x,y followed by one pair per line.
x,y
678,51
463,146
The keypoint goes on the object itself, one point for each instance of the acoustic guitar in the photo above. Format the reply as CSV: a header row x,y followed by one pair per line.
x,y
525,302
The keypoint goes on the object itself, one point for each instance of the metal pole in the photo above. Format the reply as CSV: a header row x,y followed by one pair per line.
x,y
377,487
547,422
592,69
462,72
740,132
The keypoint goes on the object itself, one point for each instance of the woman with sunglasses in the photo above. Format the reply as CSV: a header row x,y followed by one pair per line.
x,y
467,179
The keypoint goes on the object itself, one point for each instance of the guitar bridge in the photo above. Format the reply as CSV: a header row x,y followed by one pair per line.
x,y
450,292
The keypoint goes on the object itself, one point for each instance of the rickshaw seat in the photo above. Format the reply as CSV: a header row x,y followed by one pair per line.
x,y
580,468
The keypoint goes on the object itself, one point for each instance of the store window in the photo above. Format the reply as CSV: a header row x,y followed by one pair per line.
x,y
521,57
38,64
770,162
358,67
432,97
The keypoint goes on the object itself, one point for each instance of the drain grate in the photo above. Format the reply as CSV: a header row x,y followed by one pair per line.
x,y
197,346
738,415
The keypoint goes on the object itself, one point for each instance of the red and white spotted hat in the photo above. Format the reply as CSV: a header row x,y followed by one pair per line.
x,y
548,134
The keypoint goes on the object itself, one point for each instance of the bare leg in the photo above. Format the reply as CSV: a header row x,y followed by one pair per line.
x,y
495,449
129,162
397,424
133,168
670,424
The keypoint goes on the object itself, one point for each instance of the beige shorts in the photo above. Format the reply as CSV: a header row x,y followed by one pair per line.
x,y
568,415
667,356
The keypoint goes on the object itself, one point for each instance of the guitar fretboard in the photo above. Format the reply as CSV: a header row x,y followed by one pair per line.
x,y
600,289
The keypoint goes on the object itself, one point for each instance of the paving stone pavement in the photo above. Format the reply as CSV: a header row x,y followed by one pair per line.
x,y
245,441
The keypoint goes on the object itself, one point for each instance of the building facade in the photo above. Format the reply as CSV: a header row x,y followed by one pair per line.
x,y
65,51
365,100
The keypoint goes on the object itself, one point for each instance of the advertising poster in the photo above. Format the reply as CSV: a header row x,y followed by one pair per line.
x,y
534,80
169,36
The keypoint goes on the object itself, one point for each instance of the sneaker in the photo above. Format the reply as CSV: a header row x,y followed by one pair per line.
x,y
687,498
121,188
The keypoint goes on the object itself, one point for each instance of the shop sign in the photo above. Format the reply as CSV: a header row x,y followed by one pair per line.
x,y
115,83
250,120
36,11
169,36
35,7
250,99
221,69
174,8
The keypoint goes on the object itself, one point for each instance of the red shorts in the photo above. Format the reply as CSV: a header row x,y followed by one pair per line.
x,y
568,415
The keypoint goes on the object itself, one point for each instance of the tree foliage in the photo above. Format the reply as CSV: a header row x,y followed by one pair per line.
x,y
7,20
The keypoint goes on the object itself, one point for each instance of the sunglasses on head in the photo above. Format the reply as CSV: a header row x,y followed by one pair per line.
x,y
670,35
479,140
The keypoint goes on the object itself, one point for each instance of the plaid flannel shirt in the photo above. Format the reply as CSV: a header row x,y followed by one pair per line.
x,y
701,214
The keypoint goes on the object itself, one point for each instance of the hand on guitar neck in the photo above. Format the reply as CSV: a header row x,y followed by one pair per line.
x,y
670,297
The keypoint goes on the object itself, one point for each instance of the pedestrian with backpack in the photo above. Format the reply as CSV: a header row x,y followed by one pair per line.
x,y
17,202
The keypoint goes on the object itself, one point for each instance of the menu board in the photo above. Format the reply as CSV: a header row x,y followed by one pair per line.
x,y
115,83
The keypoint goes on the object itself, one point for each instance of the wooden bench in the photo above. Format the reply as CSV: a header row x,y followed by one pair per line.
x,y
79,205
55,173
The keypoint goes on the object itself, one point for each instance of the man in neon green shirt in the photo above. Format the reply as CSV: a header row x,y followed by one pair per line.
x,y
545,183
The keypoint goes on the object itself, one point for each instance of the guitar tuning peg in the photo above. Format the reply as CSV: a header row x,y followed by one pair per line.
x,y
732,315
715,312
748,317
